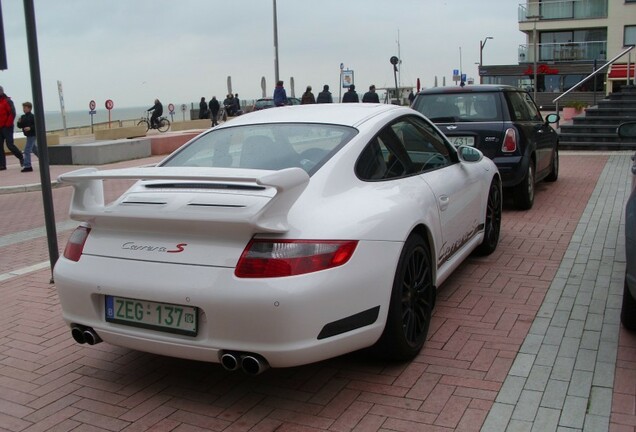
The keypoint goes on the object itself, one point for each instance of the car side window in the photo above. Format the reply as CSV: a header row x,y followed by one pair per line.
x,y
522,107
408,146
425,147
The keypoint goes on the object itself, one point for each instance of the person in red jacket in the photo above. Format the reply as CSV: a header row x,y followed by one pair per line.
x,y
7,117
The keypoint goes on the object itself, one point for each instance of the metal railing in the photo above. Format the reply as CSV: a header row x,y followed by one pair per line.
x,y
597,71
563,52
568,9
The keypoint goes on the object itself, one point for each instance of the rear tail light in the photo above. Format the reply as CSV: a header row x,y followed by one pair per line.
x,y
75,245
510,141
278,258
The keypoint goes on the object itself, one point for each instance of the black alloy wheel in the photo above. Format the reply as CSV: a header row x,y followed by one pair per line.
x,y
411,305
492,224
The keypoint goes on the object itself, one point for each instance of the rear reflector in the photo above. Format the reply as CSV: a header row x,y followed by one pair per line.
x,y
264,258
510,141
75,245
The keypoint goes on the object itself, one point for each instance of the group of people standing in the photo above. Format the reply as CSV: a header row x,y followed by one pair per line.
x,y
210,110
280,96
26,123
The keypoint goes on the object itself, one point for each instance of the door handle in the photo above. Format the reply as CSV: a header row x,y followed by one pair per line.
x,y
444,200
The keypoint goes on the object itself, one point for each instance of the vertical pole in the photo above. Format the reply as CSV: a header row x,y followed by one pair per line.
x,y
3,48
534,60
276,75
40,127
481,60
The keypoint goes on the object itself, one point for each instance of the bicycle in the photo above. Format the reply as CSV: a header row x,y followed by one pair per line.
x,y
164,123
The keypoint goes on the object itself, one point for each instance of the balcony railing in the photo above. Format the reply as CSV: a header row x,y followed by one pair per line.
x,y
569,9
561,52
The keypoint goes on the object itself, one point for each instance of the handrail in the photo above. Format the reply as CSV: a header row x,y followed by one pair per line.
x,y
628,49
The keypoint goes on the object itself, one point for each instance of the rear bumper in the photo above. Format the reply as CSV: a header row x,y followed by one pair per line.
x,y
512,169
278,318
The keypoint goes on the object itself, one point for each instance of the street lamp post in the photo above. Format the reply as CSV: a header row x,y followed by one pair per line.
x,y
535,54
482,44
276,75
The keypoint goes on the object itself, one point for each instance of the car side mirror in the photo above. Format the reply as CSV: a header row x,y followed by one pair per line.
x,y
469,154
552,118
627,130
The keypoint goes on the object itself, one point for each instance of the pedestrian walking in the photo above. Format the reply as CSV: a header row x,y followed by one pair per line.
x,y
7,117
280,95
325,95
307,97
350,95
27,124
371,96
215,106
203,109
237,105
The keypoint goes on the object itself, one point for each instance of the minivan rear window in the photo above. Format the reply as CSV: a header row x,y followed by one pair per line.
x,y
459,107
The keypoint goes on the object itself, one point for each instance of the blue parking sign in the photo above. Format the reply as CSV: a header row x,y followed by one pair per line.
x,y
455,71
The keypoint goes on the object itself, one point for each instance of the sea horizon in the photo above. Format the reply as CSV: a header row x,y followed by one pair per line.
x,y
80,118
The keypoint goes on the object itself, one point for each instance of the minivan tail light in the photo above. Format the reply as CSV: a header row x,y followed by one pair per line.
x,y
75,245
510,141
264,258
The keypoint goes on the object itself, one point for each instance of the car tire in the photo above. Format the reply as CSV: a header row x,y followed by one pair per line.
x,y
411,304
492,223
628,309
524,191
554,172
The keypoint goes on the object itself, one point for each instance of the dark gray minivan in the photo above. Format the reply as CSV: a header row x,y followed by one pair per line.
x,y
505,124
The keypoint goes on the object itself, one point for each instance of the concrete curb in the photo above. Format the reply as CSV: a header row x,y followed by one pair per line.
x,y
29,187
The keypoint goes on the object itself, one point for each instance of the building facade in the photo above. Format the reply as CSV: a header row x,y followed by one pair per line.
x,y
566,40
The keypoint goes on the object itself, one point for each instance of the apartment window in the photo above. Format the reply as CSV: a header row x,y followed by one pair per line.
x,y
629,38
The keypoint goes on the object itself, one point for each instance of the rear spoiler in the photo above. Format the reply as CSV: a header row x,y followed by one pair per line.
x,y
88,189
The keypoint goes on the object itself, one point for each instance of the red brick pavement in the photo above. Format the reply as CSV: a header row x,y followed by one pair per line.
x,y
484,311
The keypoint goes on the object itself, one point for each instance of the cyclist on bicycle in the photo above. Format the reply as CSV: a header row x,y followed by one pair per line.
x,y
157,111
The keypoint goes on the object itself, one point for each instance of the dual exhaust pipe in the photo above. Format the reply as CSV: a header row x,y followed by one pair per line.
x,y
251,364
84,335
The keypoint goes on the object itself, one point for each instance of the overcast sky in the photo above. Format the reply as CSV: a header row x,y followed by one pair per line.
x,y
133,51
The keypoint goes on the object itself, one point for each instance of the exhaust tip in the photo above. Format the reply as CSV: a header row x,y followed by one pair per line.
x,y
229,361
78,334
253,365
91,337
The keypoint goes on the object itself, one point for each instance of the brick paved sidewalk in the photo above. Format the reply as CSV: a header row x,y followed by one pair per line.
x,y
485,332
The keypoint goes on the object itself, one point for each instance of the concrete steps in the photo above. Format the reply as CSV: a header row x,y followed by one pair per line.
x,y
596,129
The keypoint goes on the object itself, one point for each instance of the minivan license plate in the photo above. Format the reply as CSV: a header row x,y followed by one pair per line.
x,y
152,315
462,140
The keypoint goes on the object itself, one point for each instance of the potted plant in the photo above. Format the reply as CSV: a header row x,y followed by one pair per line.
x,y
573,108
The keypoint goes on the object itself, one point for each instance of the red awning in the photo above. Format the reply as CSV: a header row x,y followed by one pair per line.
x,y
618,71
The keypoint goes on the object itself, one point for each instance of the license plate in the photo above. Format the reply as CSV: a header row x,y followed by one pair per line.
x,y
462,140
152,315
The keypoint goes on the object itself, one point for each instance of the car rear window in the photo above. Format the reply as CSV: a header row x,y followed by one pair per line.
x,y
459,107
264,146
267,103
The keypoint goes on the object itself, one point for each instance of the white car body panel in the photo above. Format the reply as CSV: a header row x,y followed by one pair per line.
x,y
182,246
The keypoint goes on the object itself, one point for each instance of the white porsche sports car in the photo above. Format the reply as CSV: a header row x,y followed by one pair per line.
x,y
284,237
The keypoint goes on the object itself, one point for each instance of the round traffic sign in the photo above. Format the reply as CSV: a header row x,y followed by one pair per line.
x,y
109,104
91,105
171,107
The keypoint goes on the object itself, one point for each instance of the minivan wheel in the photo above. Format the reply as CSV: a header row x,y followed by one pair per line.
x,y
524,192
554,172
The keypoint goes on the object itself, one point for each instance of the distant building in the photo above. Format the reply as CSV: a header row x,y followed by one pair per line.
x,y
572,38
